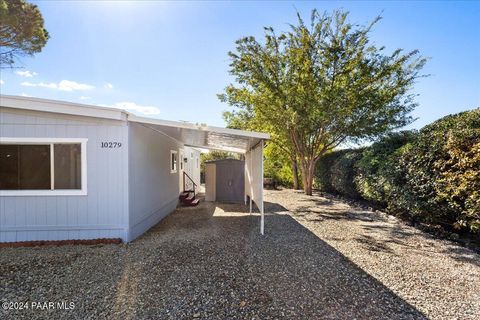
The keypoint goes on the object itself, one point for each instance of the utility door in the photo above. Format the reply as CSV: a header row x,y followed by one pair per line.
x,y
230,181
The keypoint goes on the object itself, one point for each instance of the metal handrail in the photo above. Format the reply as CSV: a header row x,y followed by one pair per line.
x,y
193,182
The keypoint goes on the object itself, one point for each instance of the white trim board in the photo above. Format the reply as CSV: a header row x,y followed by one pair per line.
x,y
29,103
186,125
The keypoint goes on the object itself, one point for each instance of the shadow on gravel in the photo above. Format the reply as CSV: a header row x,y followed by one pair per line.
x,y
463,255
398,236
207,262
322,213
213,263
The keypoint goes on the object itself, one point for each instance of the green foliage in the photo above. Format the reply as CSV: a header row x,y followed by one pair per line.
x,y
277,165
21,31
432,176
336,171
459,183
455,122
373,170
437,177
278,153
320,84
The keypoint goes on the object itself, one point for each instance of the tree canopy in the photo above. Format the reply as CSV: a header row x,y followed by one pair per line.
x,y
321,84
22,31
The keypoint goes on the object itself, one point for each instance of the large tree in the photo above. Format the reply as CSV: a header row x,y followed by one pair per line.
x,y
21,31
245,119
321,84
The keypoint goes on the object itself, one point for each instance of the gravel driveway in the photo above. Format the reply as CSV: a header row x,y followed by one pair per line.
x,y
322,260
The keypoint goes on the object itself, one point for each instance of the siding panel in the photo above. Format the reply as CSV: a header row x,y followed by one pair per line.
x,y
101,213
153,190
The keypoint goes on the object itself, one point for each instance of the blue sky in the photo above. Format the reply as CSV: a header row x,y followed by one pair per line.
x,y
169,59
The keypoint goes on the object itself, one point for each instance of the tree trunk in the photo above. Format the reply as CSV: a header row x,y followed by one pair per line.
x,y
296,181
308,172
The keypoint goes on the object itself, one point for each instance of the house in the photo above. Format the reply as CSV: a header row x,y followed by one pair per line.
x,y
73,171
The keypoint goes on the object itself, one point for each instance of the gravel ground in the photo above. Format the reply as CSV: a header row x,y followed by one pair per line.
x,y
322,260
438,277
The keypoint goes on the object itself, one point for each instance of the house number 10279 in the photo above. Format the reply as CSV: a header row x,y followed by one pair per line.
x,y
111,144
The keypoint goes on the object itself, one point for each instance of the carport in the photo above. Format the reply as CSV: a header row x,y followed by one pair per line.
x,y
215,138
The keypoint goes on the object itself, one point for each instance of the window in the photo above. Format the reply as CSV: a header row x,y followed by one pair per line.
x,y
35,166
67,165
173,161
24,167
197,162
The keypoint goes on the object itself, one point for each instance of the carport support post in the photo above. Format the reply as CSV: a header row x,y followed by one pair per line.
x,y
262,228
262,219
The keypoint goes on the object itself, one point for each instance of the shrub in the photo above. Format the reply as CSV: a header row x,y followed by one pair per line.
x,y
459,184
323,171
430,176
373,170
277,165
435,178
336,171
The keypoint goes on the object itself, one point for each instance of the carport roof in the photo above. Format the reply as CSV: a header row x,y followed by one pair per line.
x,y
194,135
203,136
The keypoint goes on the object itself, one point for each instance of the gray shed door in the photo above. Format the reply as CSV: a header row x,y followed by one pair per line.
x,y
230,180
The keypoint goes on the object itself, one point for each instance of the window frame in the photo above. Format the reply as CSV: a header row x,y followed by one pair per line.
x,y
51,142
173,152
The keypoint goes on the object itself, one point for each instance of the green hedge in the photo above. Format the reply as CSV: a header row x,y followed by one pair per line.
x,y
336,171
437,176
374,169
430,176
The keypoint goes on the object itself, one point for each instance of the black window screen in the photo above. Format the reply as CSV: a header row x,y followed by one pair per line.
x,y
24,167
28,167
67,165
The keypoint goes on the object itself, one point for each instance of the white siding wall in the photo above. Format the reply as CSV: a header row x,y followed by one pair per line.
x,y
153,189
102,213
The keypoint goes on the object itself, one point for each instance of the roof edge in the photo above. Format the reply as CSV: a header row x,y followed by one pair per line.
x,y
64,107
72,108
192,126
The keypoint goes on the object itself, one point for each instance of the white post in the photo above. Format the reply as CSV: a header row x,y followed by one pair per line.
x,y
262,219
262,224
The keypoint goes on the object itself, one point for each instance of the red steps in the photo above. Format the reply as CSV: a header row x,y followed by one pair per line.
x,y
194,203
188,199
183,195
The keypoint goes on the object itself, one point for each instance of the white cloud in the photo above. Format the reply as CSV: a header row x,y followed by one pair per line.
x,y
2,82
108,86
23,94
84,98
132,106
64,85
27,74
40,84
